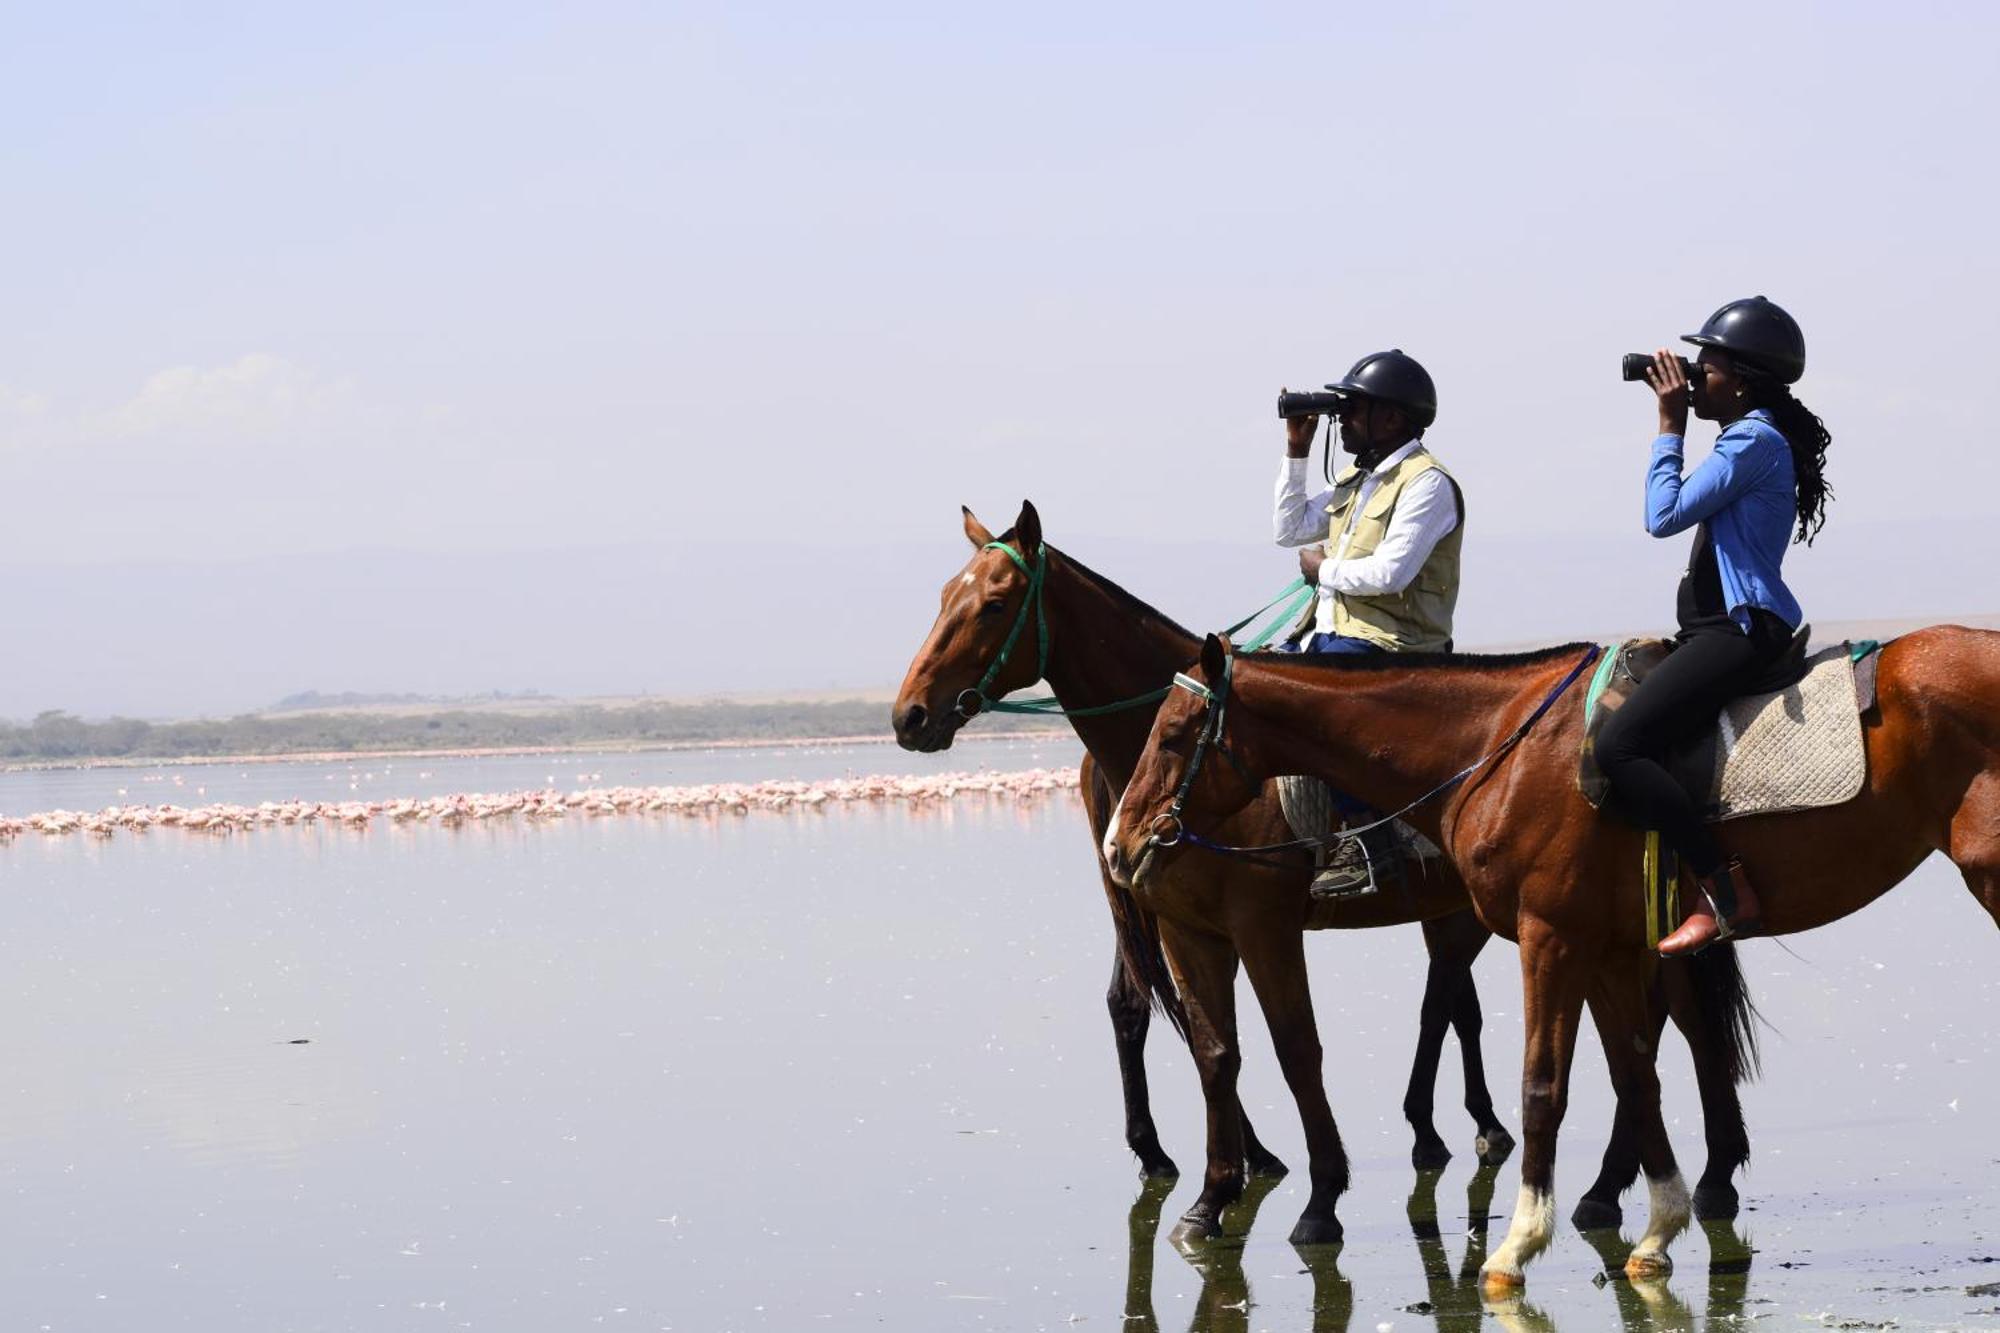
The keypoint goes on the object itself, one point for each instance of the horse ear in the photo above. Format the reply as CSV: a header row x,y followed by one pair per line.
x,y
1214,655
975,531
1028,528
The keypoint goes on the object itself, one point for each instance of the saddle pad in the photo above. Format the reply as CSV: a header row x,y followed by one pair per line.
x,y
1308,806
1793,750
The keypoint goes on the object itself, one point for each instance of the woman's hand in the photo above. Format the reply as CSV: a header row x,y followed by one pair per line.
x,y
1310,559
1669,381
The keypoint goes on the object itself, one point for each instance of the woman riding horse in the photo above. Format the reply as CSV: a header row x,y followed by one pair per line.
x,y
1737,617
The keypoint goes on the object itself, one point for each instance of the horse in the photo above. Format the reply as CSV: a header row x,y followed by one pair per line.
x,y
1097,644
1471,750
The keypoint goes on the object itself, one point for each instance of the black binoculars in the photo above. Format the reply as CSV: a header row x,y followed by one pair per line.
x,y
1320,403
1638,363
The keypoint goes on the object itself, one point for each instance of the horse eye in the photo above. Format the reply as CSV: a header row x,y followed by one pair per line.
x,y
994,606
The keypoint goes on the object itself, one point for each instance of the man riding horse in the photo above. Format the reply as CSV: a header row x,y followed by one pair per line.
x,y
1382,547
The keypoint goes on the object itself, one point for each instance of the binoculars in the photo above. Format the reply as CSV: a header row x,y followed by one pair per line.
x,y
1638,363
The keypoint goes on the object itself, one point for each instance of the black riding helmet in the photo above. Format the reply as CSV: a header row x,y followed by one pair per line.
x,y
1391,377
1759,334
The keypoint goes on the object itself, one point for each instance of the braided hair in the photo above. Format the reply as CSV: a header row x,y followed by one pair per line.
x,y
1808,437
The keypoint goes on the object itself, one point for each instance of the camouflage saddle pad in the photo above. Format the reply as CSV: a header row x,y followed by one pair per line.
x,y
1794,749
1308,806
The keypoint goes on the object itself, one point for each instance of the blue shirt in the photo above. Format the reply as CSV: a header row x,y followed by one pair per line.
x,y
1747,493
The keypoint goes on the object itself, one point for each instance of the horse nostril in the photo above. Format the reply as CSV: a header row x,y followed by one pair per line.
x,y
910,726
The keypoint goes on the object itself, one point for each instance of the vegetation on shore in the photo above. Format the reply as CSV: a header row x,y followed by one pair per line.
x,y
60,737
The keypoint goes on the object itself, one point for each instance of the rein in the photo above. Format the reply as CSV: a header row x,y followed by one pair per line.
x,y
970,703
1216,703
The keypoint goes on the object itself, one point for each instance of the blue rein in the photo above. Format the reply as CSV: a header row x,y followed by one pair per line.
x,y
1216,702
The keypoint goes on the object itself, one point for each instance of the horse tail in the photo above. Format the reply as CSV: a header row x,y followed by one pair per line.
x,y
1729,1017
1138,930
1145,961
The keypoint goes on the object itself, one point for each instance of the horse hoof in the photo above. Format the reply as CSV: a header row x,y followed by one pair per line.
x,y
1318,1231
1159,1168
1498,1283
1646,1267
1194,1227
1595,1215
1494,1147
1715,1203
1264,1164
1430,1155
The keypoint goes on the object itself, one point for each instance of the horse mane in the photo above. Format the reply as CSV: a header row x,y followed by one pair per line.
x,y
1426,661
1138,606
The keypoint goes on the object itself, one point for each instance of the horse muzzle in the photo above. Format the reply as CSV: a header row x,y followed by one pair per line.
x,y
919,729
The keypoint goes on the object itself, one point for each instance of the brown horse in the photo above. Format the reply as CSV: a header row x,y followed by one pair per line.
x,y
1103,645
1542,866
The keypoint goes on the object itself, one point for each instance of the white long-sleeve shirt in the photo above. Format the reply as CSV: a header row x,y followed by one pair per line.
x,y
1425,512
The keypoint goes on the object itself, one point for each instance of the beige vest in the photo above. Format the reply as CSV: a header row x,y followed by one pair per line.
x,y
1417,619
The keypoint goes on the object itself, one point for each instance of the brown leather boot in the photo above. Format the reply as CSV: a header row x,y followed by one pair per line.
x,y
1727,907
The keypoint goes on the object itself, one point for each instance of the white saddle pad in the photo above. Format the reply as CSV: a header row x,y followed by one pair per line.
x,y
1793,750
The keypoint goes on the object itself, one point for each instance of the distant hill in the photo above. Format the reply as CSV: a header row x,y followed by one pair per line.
x,y
316,701
58,737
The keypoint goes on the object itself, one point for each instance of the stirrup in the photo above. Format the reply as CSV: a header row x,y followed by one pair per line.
x,y
1348,873
1339,884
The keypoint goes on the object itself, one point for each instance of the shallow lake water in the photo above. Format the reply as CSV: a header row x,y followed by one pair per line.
x,y
851,1069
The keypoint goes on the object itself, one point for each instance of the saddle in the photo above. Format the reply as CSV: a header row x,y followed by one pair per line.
x,y
1792,743
1308,806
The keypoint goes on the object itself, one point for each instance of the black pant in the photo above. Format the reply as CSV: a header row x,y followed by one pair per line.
x,y
1711,664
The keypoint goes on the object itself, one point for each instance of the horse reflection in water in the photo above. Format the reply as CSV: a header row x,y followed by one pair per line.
x,y
1454,1297
1224,1303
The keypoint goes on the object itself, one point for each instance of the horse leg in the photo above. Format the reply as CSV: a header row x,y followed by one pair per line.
x,y
1467,939
1277,967
1598,1209
1553,981
1260,1160
1131,1016
1974,841
1625,1013
1205,970
1727,1138
1441,983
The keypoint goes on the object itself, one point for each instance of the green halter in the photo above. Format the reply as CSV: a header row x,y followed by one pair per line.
x,y
1037,576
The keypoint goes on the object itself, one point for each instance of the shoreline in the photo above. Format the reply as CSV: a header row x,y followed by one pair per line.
x,y
495,752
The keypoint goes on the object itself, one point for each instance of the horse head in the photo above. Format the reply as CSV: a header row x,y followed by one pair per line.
x,y
984,643
1194,773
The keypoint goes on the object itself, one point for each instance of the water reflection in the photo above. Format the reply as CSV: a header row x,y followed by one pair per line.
x,y
1224,1303
1454,1301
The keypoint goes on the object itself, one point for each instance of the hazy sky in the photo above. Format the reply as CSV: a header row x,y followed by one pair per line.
x,y
609,348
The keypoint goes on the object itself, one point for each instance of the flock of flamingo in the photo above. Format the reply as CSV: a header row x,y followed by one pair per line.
x,y
706,799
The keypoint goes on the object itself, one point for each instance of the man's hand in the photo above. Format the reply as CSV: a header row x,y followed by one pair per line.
x,y
1310,559
1299,433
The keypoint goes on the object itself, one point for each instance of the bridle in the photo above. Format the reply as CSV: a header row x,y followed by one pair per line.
x,y
971,702
1215,717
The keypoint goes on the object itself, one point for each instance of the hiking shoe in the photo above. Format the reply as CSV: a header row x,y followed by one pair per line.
x,y
1360,866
